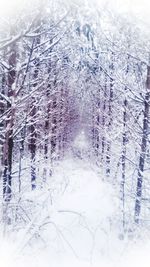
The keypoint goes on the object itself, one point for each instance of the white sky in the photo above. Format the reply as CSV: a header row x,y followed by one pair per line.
x,y
134,5
138,7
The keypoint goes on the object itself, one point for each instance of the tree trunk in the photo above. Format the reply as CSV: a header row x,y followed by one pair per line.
x,y
8,146
143,150
104,120
123,160
111,93
33,134
2,124
123,156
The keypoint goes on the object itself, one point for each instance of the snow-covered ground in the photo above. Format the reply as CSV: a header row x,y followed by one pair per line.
x,y
74,223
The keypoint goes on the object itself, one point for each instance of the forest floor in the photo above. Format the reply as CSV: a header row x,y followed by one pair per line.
x,y
75,222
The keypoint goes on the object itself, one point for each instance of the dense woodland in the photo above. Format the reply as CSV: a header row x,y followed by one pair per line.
x,y
62,70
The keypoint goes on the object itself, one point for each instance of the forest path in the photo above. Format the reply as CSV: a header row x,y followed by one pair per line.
x,y
80,211
83,209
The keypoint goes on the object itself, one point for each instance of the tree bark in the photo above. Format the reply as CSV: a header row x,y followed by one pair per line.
x,y
143,150
8,146
33,133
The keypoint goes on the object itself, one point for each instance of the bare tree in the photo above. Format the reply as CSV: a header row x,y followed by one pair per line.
x,y
144,142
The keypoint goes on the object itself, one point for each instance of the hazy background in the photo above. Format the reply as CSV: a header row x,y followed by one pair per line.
x,y
140,8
